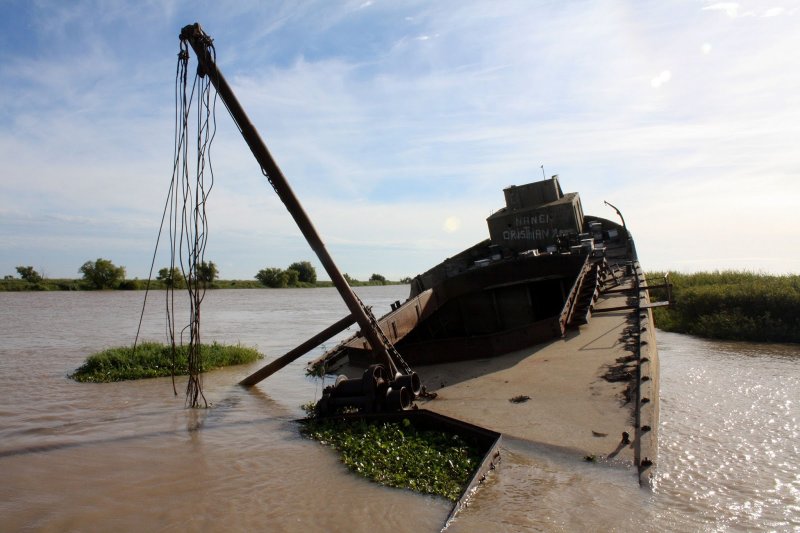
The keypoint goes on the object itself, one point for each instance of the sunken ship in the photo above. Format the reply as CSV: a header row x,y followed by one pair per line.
x,y
535,276
552,309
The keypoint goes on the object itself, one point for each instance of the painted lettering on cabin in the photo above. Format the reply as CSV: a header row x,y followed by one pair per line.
x,y
530,234
529,228
532,220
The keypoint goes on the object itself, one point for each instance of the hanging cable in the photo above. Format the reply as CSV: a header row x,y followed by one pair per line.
x,y
192,229
169,209
192,181
187,221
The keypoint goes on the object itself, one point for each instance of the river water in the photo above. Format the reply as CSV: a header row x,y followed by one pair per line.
x,y
129,457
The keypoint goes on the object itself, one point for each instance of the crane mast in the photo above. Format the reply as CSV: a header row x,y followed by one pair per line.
x,y
381,348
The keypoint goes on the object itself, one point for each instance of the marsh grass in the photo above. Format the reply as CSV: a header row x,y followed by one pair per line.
x,y
732,305
399,455
153,359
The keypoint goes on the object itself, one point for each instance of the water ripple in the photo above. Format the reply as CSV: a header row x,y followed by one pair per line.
x,y
128,455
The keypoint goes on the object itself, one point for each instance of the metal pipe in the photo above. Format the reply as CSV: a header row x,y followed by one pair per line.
x,y
297,352
618,213
628,239
200,42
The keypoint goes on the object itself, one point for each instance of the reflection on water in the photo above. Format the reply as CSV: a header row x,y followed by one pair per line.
x,y
731,427
130,456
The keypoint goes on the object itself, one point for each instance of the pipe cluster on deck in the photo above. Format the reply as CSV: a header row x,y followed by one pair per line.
x,y
373,392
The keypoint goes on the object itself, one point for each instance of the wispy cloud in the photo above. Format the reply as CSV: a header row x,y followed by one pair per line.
x,y
729,8
399,124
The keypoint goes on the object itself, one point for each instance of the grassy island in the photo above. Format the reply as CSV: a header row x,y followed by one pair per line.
x,y
153,359
398,455
731,305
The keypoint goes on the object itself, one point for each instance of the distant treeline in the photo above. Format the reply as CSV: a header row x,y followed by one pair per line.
x,y
103,274
66,284
731,305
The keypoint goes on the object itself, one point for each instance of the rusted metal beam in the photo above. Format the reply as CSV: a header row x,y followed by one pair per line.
x,y
634,289
629,307
298,352
656,304
569,305
201,43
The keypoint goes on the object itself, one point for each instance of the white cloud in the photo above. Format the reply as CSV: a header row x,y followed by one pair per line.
x,y
729,8
663,77
383,136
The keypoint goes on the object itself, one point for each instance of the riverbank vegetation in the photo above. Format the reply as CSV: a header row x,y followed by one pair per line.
x,y
300,274
67,284
399,455
153,359
102,274
731,305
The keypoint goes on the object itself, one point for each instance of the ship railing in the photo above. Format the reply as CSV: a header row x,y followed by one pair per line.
x,y
574,292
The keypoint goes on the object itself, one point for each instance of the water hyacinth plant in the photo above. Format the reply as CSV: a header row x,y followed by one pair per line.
x,y
399,455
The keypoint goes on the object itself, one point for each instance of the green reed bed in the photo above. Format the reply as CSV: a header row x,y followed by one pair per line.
x,y
153,359
731,305
399,455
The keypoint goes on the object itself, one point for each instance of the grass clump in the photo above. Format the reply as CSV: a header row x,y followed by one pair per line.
x,y
154,359
399,455
732,305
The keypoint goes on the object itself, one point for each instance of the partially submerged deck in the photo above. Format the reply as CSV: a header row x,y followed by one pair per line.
x,y
578,393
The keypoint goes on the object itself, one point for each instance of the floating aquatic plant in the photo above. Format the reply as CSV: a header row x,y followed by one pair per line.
x,y
399,455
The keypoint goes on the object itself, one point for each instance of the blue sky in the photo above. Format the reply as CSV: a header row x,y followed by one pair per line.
x,y
399,123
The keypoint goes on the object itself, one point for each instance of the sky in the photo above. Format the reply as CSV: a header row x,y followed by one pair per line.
x,y
399,123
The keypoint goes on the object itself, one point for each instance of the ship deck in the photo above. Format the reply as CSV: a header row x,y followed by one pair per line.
x,y
555,393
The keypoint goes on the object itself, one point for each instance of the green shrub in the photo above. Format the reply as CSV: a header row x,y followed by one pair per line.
x,y
306,272
292,277
102,274
129,285
14,285
273,277
171,278
29,274
378,278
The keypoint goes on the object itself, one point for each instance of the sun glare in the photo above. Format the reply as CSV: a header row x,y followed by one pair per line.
x,y
451,224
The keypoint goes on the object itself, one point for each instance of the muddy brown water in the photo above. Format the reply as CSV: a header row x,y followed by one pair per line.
x,y
129,457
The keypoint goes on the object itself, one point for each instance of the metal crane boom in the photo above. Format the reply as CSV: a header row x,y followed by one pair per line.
x,y
201,43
